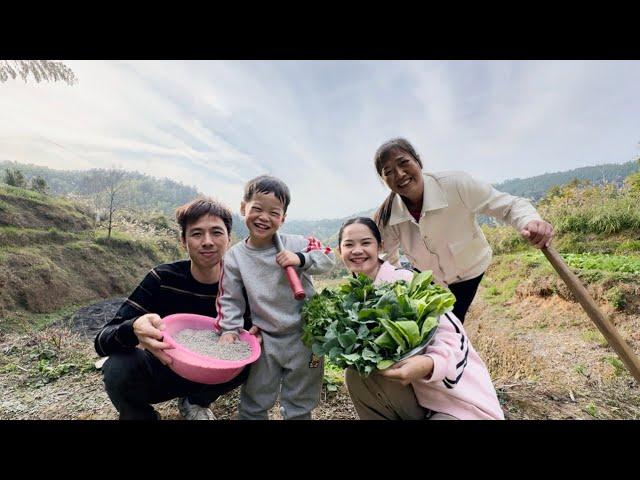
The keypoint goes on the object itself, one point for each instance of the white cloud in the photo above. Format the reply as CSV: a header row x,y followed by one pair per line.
x,y
317,124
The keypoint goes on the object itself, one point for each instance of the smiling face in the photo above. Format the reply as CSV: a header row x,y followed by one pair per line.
x,y
359,250
403,175
263,215
206,241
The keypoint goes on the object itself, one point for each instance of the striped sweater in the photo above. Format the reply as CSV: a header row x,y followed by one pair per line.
x,y
166,289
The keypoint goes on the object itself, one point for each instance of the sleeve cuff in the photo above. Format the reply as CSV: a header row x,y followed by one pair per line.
x,y
302,258
439,369
526,220
125,334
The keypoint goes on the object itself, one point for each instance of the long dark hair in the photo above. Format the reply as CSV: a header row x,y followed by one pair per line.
x,y
383,213
367,222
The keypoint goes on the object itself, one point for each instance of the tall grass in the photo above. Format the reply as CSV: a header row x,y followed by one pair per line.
x,y
591,209
584,218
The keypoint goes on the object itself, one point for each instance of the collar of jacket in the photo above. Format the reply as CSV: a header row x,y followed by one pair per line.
x,y
433,198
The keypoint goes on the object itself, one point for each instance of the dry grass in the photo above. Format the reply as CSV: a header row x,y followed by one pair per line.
x,y
547,359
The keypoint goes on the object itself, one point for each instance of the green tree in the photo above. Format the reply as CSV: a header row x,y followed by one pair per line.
x,y
15,178
39,185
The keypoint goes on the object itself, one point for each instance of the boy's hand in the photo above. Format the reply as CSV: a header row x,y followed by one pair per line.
x,y
255,331
148,328
228,337
287,259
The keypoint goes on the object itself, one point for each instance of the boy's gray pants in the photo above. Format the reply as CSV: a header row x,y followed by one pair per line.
x,y
286,367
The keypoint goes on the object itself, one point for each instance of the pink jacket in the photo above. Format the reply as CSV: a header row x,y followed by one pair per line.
x,y
460,384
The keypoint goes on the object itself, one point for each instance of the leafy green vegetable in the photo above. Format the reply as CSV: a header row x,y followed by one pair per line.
x,y
371,327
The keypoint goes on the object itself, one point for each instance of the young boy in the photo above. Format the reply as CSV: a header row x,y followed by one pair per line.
x,y
253,265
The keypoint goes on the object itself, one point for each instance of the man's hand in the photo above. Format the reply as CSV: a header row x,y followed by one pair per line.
x,y
228,337
287,258
409,370
256,332
148,328
538,232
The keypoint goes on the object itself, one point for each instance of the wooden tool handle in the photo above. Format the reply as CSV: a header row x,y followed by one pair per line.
x,y
607,328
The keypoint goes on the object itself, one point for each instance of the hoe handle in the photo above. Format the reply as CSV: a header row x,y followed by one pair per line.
x,y
607,328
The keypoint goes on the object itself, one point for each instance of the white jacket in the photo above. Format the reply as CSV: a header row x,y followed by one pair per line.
x,y
448,240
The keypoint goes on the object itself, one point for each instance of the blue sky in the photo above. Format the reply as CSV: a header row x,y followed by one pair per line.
x,y
317,124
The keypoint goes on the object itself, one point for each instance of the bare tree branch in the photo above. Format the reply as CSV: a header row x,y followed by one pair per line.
x,y
107,188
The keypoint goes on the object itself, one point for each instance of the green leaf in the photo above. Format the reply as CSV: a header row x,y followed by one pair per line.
x,y
317,349
363,332
384,364
369,354
429,324
350,358
397,334
347,338
386,340
419,281
386,299
411,331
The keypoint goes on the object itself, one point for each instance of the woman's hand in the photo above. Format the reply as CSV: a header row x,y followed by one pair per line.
x,y
409,370
148,328
538,232
287,259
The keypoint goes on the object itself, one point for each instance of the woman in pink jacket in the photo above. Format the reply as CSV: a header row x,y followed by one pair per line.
x,y
448,381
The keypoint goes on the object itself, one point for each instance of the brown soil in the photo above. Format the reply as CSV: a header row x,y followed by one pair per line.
x,y
546,358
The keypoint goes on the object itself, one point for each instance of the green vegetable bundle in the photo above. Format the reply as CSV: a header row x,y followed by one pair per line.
x,y
367,326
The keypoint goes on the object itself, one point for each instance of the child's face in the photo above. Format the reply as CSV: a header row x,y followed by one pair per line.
x,y
206,241
359,250
263,215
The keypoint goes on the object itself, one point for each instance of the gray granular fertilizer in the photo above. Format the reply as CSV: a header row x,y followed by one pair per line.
x,y
205,342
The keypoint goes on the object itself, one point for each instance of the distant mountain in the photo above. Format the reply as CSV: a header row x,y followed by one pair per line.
x,y
165,195
534,188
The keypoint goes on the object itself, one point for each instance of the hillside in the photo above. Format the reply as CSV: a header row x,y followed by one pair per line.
x,y
52,259
536,187
145,192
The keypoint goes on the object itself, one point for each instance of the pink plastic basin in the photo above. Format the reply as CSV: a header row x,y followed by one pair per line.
x,y
200,368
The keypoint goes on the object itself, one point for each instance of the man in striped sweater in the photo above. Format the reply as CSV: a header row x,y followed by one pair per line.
x,y
136,374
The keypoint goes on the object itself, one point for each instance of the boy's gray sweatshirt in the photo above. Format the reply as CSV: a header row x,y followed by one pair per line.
x,y
273,307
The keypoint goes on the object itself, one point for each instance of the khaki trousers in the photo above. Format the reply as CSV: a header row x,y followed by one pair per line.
x,y
377,398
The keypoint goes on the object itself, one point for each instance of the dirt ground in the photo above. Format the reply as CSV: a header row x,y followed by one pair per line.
x,y
545,357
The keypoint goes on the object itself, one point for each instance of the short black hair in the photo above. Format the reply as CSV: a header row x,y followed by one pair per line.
x,y
192,211
268,184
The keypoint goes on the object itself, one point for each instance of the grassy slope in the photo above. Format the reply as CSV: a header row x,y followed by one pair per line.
x,y
51,259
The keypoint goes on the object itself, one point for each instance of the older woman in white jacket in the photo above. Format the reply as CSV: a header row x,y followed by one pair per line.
x,y
432,218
